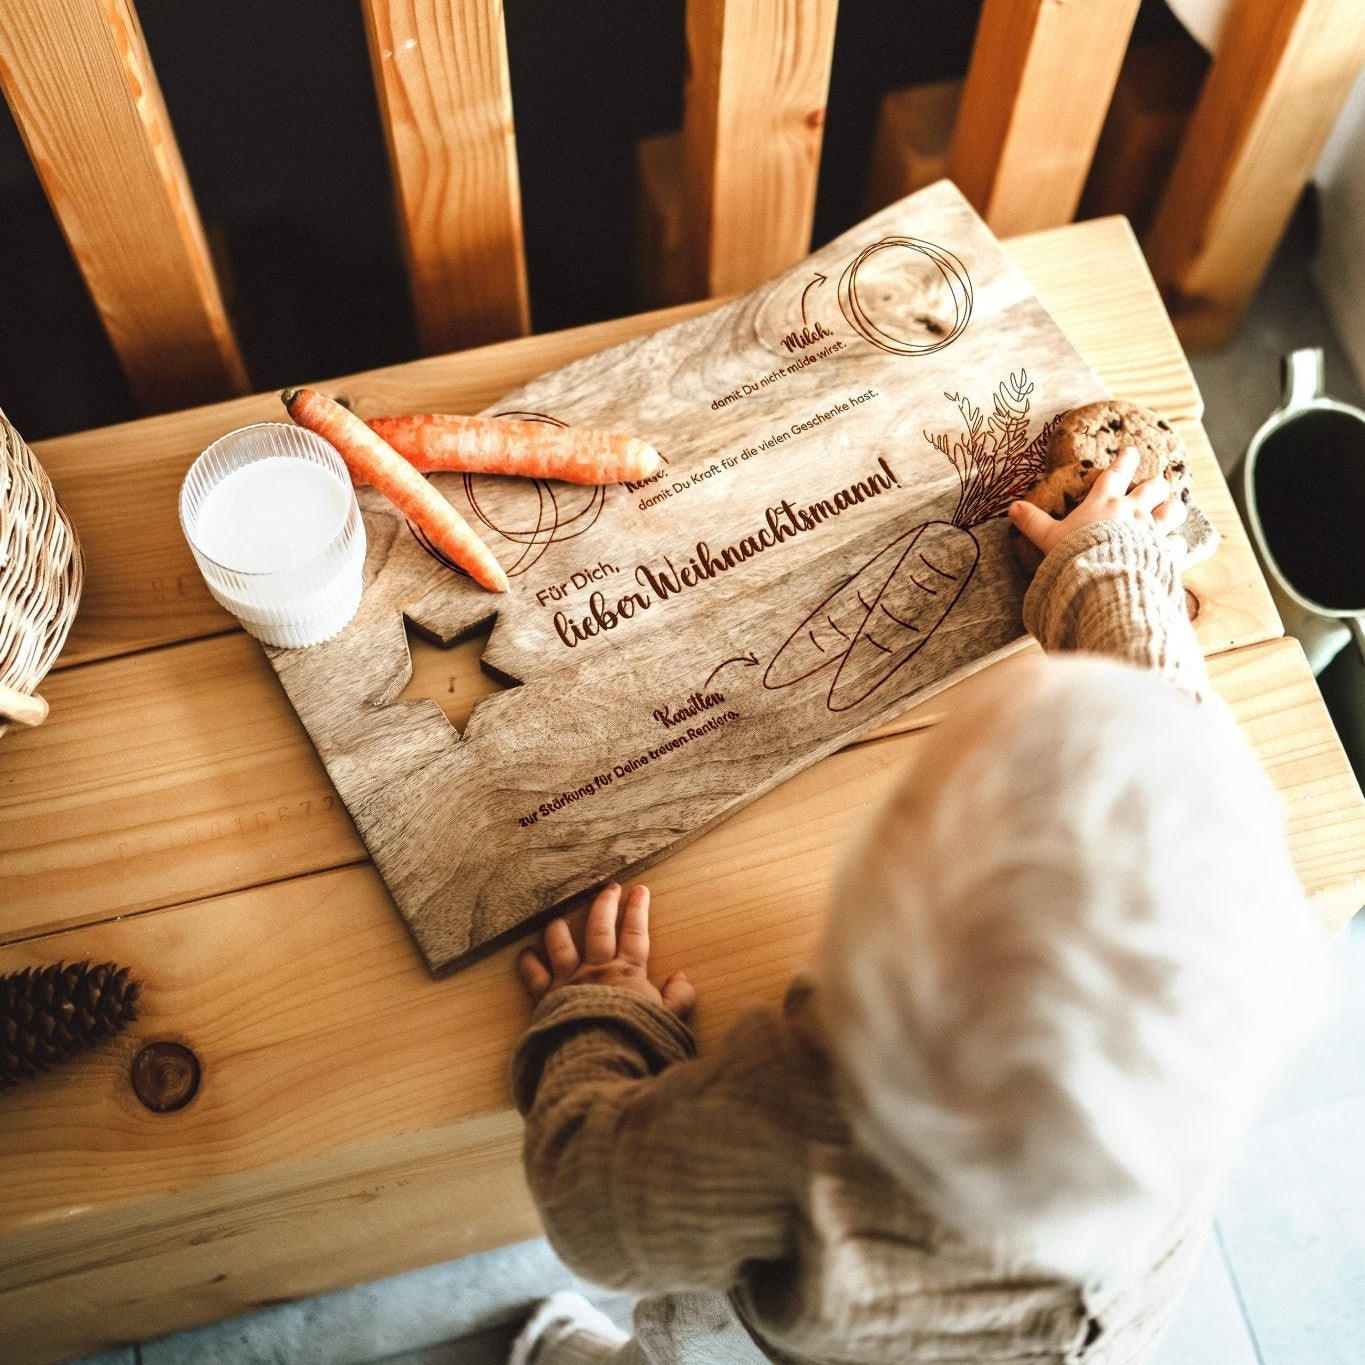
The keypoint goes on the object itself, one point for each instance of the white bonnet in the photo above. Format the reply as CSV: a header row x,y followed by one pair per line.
x,y
1066,961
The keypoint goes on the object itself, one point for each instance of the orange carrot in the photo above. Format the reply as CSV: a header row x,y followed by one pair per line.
x,y
512,445
371,460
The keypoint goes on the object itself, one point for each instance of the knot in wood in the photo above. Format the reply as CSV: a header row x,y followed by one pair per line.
x,y
1191,605
165,1076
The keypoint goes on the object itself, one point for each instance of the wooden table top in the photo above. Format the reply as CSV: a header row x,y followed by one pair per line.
x,y
353,1118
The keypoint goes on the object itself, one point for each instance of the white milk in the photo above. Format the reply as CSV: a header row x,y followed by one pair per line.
x,y
270,515
272,520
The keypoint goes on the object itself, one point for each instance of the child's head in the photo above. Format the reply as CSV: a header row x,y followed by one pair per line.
x,y
1060,973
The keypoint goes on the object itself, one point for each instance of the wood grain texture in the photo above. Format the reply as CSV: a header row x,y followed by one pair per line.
x,y
92,819
914,137
80,83
174,775
123,805
666,271
354,1119
1033,103
1281,712
243,1244
619,741
826,543
1114,318
1271,97
753,124
1158,87
120,483
446,102
250,982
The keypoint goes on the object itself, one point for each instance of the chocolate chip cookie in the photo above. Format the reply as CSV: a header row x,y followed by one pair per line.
x,y
1089,439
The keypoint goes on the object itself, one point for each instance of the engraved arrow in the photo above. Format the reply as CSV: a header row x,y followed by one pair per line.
x,y
818,280
748,660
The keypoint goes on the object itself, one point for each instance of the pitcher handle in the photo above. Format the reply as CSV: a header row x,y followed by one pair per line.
x,y
1301,378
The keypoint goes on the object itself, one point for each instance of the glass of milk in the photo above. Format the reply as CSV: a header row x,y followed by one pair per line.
x,y
271,517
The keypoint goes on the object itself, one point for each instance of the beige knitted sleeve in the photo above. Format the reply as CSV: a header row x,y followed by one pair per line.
x,y
1111,588
651,1170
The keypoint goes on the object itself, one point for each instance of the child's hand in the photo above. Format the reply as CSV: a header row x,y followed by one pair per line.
x,y
1148,504
610,958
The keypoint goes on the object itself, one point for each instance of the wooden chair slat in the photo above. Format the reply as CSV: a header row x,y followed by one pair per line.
x,y
446,102
1278,81
1037,89
79,80
752,132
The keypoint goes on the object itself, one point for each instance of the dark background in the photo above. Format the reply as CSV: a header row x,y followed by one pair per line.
x,y
274,107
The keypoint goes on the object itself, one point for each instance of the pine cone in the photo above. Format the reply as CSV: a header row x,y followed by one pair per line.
x,y
48,1014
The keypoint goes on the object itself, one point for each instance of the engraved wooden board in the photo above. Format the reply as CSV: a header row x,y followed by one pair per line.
x,y
825,547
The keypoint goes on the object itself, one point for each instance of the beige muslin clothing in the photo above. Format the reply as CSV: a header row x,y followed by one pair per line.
x,y
1111,589
736,1173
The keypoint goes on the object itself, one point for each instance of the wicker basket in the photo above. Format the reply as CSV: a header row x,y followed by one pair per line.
x,y
41,571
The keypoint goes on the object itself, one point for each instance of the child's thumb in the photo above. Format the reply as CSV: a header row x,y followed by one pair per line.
x,y
1032,522
680,995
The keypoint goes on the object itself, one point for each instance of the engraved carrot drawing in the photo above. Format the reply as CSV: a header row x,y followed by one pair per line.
x,y
883,614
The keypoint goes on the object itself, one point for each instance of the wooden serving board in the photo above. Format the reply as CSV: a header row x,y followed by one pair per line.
x,y
824,547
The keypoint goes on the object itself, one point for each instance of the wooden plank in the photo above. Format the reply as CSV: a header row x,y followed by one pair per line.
x,y
665,268
120,483
1034,101
142,847
685,643
302,1077
914,138
758,77
329,1117
169,776
1157,90
1113,314
1277,83
80,83
118,803
243,1244
446,102
1280,710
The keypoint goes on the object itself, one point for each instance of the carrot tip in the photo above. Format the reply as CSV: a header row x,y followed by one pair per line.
x,y
650,459
287,396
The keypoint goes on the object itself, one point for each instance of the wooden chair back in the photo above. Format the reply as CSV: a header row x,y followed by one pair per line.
x,y
731,202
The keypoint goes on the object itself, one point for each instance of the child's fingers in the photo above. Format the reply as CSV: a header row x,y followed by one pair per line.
x,y
1170,514
533,973
633,943
680,995
1150,493
1032,522
559,948
599,938
1115,481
